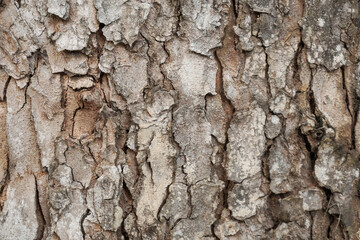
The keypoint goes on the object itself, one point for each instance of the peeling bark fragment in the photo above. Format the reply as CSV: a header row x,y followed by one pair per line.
x,y
349,216
279,104
177,204
192,75
204,199
322,23
246,144
60,149
313,199
229,63
56,59
103,199
280,56
74,34
296,223
58,198
243,29
162,19
76,159
228,228
245,198
125,28
264,6
334,168
17,65
279,168
78,83
71,106
193,133
45,92
24,155
351,33
130,73
18,217
63,174
257,226
69,225
254,77
292,231
269,28
255,66
108,10
75,63
23,82
273,126
203,23
162,102
24,34
330,98
217,117
157,177
59,8
158,53
291,209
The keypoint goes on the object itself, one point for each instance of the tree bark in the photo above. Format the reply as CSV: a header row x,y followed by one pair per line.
x,y
179,119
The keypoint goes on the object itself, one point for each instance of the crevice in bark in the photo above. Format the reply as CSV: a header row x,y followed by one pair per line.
x,y
3,196
148,64
126,202
189,202
81,89
5,88
230,111
63,93
234,7
310,96
82,222
227,105
39,212
17,3
73,121
313,139
268,89
355,121
296,58
179,17
265,162
124,234
347,102
148,164
132,163
25,96
5,184
166,197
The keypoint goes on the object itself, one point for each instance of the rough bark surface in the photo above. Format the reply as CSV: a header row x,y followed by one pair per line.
x,y
179,119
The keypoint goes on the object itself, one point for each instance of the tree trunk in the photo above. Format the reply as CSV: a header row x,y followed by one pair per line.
x,y
179,119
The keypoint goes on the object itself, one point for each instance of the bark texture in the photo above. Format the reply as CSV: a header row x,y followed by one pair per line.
x,y
179,119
